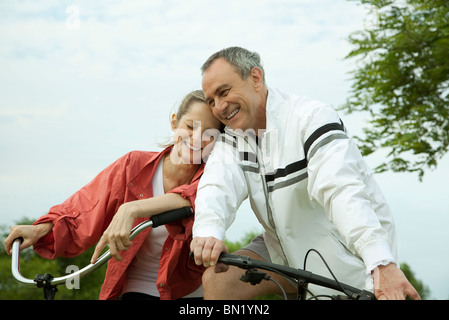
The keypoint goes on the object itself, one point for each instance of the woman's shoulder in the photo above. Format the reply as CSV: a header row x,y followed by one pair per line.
x,y
139,158
142,154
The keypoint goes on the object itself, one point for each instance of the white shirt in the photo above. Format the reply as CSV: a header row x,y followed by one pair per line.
x,y
143,270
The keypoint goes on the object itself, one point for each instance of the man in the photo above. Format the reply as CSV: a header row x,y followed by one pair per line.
x,y
306,181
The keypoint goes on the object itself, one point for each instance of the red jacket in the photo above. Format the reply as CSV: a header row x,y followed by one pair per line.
x,y
80,221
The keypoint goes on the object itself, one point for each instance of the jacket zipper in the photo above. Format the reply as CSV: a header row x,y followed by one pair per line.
x,y
265,189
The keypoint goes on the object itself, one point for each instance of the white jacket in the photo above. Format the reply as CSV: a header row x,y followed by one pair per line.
x,y
309,187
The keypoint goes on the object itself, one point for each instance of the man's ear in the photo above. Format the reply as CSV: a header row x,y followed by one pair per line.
x,y
174,122
256,76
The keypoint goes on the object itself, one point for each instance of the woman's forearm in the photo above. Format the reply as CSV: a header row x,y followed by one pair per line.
x,y
152,206
117,233
44,228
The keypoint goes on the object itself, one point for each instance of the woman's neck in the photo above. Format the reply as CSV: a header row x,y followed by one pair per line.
x,y
176,175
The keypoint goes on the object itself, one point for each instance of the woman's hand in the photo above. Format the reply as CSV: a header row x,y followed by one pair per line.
x,y
118,232
30,234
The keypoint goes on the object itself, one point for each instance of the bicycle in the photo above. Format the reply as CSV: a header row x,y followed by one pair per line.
x,y
252,275
300,276
50,283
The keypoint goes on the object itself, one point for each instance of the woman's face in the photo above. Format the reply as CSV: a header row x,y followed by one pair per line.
x,y
195,133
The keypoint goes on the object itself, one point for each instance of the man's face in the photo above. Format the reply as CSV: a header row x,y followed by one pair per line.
x,y
235,102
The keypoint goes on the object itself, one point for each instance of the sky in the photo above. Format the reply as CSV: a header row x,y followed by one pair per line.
x,y
84,82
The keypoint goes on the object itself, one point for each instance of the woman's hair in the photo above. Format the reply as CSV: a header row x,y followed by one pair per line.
x,y
241,59
184,107
189,99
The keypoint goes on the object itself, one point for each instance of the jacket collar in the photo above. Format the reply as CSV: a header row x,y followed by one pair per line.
x,y
146,173
275,113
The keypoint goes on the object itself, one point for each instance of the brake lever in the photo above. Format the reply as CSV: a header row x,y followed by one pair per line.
x,y
243,262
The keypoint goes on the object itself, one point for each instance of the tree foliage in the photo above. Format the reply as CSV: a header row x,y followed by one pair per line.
x,y
402,80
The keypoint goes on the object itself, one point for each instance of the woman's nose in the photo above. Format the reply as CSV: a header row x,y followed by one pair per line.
x,y
196,135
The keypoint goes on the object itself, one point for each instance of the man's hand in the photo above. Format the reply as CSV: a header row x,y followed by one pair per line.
x,y
206,252
390,283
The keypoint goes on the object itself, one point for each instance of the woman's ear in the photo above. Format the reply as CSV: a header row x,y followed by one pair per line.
x,y
174,122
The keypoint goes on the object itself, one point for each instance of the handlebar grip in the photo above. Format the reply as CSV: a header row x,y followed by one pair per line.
x,y
19,238
228,258
170,216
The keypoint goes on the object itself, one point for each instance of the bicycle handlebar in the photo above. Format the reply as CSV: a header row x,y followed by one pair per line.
x,y
154,221
245,262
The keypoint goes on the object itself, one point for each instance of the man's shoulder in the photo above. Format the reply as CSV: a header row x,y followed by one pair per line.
x,y
299,105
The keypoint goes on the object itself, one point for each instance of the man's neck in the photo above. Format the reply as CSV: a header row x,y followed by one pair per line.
x,y
262,111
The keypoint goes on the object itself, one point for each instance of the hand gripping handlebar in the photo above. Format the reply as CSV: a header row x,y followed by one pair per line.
x,y
47,281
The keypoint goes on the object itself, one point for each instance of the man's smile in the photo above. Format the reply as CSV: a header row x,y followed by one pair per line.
x,y
233,113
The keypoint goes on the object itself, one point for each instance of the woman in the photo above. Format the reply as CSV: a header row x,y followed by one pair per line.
x,y
135,187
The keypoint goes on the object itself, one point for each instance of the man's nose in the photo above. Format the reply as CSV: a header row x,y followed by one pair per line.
x,y
221,105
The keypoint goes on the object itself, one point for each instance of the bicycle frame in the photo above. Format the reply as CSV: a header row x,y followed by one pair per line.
x,y
302,276
49,283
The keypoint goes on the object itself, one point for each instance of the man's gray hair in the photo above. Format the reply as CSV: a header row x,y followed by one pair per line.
x,y
241,59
